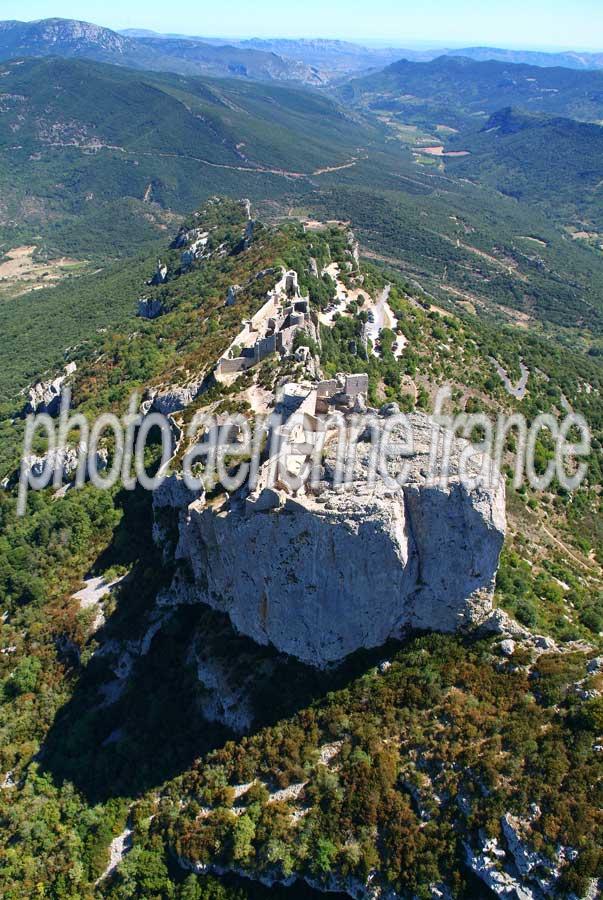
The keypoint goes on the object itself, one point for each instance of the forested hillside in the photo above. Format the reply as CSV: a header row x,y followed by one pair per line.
x,y
194,229
432,743
83,145
451,90
555,162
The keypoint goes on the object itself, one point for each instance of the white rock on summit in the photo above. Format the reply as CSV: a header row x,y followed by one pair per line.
x,y
319,577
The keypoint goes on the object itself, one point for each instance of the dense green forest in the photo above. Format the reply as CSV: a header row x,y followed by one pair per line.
x,y
81,154
554,162
451,90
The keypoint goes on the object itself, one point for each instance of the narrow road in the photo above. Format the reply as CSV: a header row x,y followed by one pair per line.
x,y
382,316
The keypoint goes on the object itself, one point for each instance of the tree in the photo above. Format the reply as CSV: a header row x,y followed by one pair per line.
x,y
25,676
324,856
242,839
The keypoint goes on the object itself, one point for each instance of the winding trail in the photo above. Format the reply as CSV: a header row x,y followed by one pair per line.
x,y
567,550
251,169
518,390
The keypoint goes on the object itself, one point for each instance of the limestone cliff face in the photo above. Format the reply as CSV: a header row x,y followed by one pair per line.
x,y
45,396
321,575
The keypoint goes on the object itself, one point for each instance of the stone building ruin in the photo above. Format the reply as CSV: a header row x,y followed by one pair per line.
x,y
271,330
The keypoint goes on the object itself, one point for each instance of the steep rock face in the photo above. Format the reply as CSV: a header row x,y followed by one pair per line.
x,y
175,397
150,308
45,396
321,575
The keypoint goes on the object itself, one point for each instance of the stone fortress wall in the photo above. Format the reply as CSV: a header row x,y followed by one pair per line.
x,y
271,330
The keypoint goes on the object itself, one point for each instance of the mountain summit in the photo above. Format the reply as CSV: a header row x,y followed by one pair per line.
x,y
72,38
63,37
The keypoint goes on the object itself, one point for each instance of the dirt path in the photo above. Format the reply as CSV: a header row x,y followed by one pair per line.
x,y
251,169
518,390
382,314
567,550
347,165
493,260
384,318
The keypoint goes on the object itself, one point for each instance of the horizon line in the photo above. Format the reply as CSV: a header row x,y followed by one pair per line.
x,y
366,42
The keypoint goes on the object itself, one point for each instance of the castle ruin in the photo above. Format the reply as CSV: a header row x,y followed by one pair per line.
x,y
271,330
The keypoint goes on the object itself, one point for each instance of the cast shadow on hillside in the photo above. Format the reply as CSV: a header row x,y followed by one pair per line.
x,y
122,737
155,730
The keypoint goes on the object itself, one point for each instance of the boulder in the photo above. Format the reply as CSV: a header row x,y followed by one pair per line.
x,y
389,409
507,647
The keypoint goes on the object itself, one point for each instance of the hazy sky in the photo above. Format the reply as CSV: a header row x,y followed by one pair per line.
x,y
518,23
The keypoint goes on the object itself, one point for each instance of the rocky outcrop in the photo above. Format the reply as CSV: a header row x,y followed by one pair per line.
x,y
186,236
175,398
45,396
231,295
250,229
65,460
354,247
226,695
512,869
195,250
160,276
487,866
150,308
321,575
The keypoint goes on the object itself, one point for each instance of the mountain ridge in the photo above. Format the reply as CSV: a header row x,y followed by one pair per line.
x,y
459,90
362,56
74,38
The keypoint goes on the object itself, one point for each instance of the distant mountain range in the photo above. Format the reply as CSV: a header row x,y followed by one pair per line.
x,y
344,56
567,60
315,63
331,57
70,38
455,90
